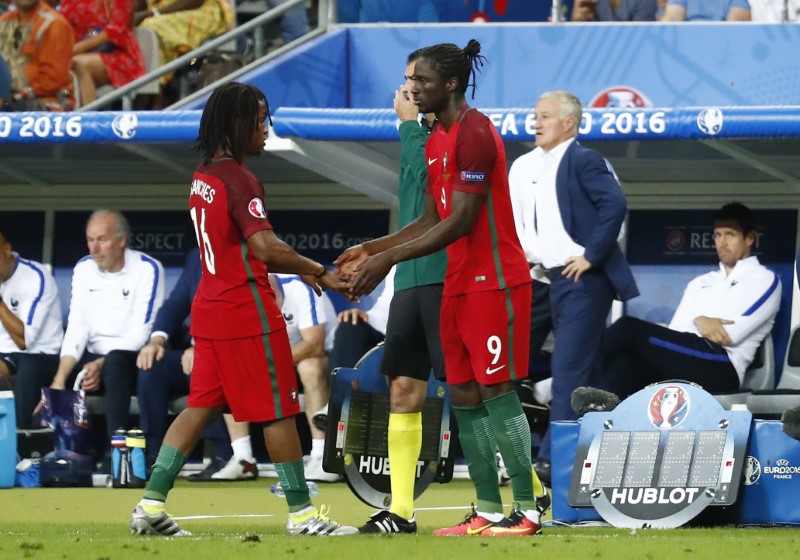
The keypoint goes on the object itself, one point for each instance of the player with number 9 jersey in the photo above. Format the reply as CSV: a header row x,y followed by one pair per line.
x,y
470,157
487,274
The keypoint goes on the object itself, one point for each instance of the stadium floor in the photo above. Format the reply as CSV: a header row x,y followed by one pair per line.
x,y
245,519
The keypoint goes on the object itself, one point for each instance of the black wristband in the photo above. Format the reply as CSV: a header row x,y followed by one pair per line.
x,y
321,274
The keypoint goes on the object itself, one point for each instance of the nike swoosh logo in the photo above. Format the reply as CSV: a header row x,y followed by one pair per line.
x,y
479,530
432,161
508,530
491,370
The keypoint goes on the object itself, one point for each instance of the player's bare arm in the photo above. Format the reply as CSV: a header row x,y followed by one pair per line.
x,y
280,257
713,329
465,211
350,261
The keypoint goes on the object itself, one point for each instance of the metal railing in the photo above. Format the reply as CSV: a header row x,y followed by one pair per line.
x,y
325,16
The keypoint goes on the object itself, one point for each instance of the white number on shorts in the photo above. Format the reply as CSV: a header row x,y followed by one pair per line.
x,y
200,232
495,347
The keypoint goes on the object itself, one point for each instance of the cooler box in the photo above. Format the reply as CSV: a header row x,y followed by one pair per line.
x,y
771,473
8,439
564,445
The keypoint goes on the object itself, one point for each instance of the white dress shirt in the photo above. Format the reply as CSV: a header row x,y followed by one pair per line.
x,y
31,294
749,296
113,310
537,217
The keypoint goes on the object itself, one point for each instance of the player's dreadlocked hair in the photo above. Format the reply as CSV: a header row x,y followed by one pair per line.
x,y
229,119
449,61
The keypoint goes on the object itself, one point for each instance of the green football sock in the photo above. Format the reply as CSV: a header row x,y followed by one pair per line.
x,y
168,464
476,435
293,482
514,442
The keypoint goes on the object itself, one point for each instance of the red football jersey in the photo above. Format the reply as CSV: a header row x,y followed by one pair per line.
x,y
471,158
233,299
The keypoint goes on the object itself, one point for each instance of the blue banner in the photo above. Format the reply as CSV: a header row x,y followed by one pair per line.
x,y
381,124
597,124
99,127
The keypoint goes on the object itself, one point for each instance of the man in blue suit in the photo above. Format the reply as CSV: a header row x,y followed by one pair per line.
x,y
569,210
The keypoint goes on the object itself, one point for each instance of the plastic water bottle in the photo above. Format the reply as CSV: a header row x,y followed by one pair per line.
x,y
135,443
276,489
119,459
8,439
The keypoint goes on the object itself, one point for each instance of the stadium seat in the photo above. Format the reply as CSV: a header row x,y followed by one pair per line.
x,y
148,43
771,403
760,376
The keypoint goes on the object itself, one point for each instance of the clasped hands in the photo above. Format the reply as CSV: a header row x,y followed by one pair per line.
x,y
356,273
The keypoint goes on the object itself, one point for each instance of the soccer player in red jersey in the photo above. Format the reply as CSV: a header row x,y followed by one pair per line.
x,y
243,360
485,313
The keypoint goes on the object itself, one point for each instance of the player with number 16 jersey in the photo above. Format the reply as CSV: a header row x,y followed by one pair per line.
x,y
226,205
242,356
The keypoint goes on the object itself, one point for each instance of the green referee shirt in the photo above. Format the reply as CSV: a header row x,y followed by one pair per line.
x,y
411,196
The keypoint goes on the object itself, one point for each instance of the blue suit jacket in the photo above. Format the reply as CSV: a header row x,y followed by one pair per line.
x,y
178,305
593,208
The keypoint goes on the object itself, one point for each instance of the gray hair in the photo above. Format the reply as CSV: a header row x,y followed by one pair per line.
x,y
122,226
570,105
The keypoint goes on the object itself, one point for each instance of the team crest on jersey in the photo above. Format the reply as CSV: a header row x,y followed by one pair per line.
x,y
256,208
14,303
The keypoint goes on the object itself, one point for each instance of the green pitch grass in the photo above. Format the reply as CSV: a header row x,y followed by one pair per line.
x,y
242,520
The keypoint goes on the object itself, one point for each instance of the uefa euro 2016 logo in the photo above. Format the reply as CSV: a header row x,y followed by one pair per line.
x,y
124,125
668,407
752,470
710,121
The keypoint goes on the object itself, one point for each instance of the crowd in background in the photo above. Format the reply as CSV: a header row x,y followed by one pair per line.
x,y
58,55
